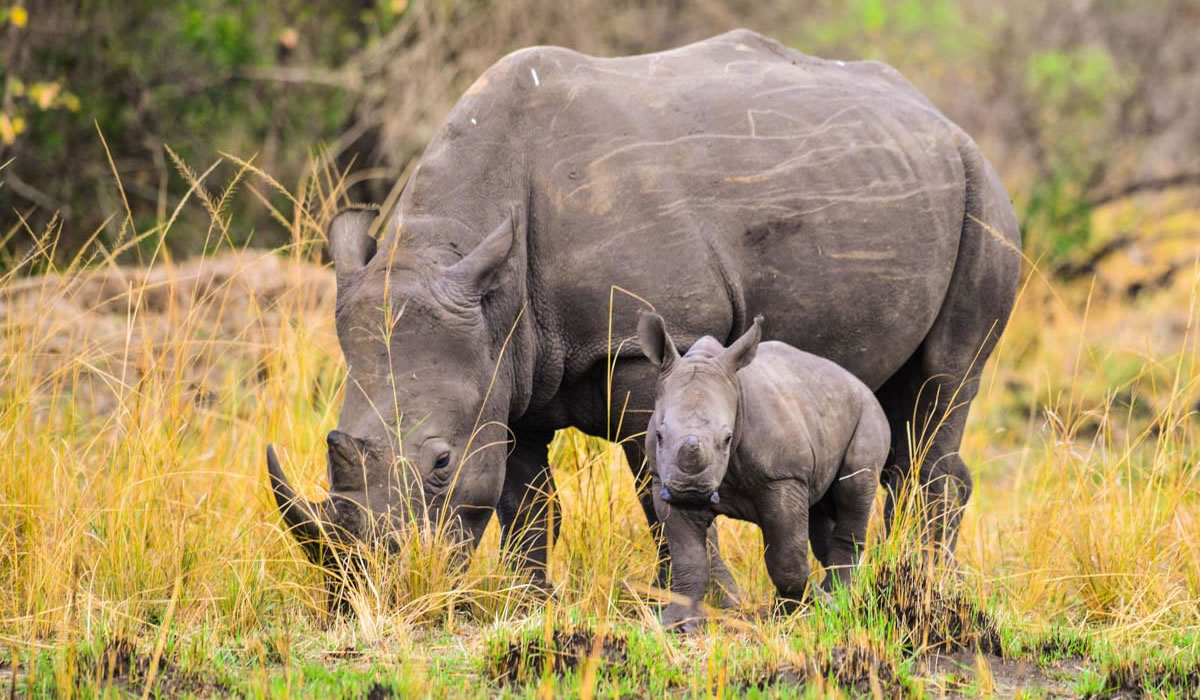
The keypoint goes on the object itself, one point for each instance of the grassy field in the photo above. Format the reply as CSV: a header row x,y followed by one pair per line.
x,y
141,553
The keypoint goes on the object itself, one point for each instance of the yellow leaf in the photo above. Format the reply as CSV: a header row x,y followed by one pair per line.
x,y
289,37
18,125
18,16
43,94
16,87
69,101
399,6
7,133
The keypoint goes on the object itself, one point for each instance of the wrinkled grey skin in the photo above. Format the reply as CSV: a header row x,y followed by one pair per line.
x,y
764,433
719,180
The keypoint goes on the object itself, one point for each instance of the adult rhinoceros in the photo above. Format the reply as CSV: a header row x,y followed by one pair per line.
x,y
724,179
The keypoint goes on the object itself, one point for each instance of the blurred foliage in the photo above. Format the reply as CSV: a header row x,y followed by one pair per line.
x,y
1071,101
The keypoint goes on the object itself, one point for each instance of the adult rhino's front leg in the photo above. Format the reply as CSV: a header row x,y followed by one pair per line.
x,y
528,524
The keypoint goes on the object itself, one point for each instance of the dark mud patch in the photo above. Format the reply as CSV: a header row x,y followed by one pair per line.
x,y
566,650
378,691
936,618
121,665
965,673
1130,680
859,669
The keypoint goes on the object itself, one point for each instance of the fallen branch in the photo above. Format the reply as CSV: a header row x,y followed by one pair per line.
x,y
1072,270
1154,184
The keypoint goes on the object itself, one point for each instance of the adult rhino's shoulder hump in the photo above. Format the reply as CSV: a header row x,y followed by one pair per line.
x,y
750,40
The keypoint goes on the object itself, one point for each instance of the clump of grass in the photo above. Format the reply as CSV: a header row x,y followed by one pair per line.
x,y
554,651
932,614
1150,678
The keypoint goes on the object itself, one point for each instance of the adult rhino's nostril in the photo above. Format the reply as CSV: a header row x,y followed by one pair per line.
x,y
345,444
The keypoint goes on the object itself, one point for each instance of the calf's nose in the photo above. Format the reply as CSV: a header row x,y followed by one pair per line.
x,y
691,455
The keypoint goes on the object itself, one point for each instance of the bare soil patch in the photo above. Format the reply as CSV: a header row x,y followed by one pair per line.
x,y
858,668
964,673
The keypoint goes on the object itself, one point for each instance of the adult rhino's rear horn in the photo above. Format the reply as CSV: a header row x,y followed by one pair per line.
x,y
301,516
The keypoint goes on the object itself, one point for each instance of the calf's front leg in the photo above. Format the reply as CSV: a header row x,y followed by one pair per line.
x,y
783,516
686,533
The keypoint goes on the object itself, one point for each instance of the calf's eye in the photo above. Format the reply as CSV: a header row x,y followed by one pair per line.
x,y
443,461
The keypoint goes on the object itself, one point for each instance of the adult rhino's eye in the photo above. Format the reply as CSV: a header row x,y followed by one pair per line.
x,y
442,461
728,439
658,436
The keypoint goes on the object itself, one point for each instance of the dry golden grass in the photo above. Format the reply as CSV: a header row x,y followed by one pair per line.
x,y
135,404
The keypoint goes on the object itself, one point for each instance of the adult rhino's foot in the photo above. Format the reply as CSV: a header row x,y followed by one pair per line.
x,y
537,584
786,605
681,618
724,594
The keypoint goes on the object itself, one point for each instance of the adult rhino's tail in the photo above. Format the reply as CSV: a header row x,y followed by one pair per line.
x,y
930,396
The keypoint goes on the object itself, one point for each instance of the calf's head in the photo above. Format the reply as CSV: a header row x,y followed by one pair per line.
x,y
421,437
696,409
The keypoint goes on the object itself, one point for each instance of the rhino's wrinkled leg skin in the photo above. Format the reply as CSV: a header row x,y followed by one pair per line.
x,y
821,519
853,494
686,534
942,478
720,581
783,516
528,524
937,384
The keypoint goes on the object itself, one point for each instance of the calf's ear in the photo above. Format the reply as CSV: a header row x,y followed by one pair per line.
x,y
350,241
481,271
743,350
656,343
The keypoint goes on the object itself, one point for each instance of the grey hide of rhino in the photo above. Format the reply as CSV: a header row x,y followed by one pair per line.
x,y
764,433
710,183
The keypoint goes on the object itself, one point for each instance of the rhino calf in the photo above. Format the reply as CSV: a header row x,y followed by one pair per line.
x,y
765,433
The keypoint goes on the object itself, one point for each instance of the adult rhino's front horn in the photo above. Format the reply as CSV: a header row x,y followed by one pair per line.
x,y
302,517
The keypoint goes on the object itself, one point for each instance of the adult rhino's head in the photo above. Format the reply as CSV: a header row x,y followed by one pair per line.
x,y
696,406
421,437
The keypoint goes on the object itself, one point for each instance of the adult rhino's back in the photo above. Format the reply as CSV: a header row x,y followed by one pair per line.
x,y
827,195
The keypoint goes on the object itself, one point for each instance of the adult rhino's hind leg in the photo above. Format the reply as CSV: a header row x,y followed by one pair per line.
x,y
528,523
931,394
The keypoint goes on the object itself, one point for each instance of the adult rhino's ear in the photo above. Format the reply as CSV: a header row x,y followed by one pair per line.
x,y
656,343
482,270
743,350
350,241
